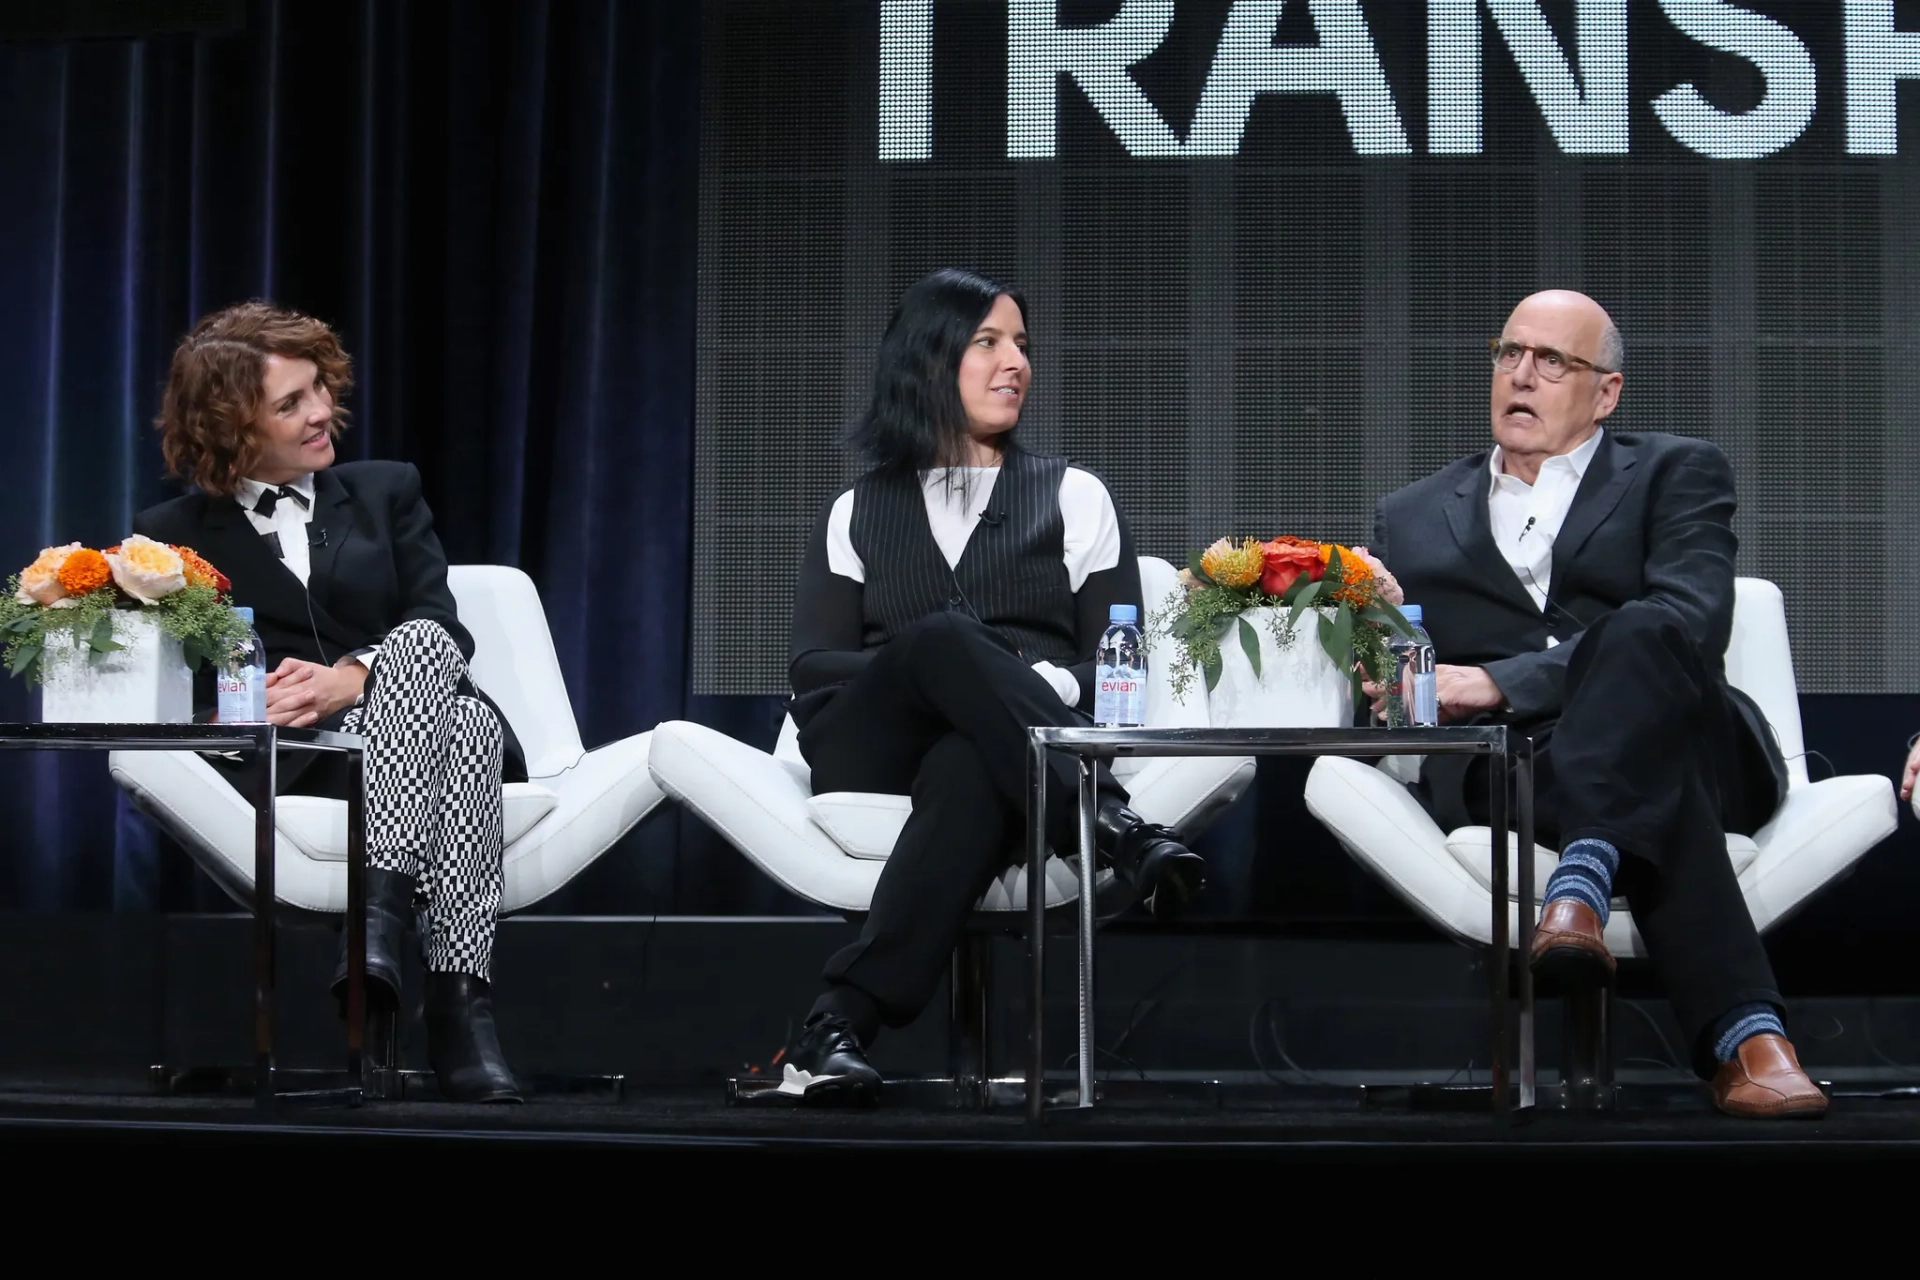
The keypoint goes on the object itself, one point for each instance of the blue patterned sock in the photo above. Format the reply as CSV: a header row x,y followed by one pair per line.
x,y
1585,874
1740,1024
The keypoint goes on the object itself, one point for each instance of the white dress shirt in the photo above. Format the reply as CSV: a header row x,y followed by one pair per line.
x,y
289,520
1091,543
1526,518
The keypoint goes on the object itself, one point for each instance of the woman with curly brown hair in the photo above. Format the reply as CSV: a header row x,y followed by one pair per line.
x,y
348,587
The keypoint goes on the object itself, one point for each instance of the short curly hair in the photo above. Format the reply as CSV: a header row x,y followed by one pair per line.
x,y
215,387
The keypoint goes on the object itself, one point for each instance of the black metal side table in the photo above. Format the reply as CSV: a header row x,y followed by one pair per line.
x,y
256,739
1512,756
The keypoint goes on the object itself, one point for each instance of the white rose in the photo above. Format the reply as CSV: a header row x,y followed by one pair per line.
x,y
40,581
147,570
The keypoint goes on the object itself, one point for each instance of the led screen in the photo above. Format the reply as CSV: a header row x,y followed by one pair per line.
x,y
1264,245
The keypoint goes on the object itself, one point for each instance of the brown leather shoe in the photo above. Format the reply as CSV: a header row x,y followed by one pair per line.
x,y
1570,947
1764,1082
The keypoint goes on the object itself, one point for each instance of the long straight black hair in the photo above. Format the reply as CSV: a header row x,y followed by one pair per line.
x,y
915,421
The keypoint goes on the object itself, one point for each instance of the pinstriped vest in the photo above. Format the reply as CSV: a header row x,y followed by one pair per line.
x,y
1011,576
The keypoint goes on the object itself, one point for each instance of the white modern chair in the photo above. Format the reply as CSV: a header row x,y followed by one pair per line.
x,y
1821,830
829,849
576,804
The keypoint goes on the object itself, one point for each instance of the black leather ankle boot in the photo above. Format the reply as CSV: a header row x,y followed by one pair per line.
x,y
463,1048
1164,872
389,916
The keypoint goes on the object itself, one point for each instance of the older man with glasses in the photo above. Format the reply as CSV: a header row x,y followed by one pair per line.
x,y
1578,585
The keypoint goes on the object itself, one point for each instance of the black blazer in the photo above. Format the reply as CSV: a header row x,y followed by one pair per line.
x,y
1652,520
376,563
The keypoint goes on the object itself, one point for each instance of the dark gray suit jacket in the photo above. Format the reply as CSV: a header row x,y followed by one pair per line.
x,y
1652,520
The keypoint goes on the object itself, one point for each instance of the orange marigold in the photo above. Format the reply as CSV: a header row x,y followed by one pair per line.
x,y
1356,579
199,573
85,570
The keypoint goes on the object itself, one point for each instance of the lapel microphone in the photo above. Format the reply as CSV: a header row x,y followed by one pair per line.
x,y
316,536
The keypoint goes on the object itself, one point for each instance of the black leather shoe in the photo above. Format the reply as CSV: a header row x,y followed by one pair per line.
x,y
1165,873
828,1067
389,916
463,1048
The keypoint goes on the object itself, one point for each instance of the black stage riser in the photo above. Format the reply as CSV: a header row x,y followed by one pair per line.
x,y
685,1000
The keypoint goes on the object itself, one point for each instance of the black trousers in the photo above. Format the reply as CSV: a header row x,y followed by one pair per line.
x,y
939,714
1651,755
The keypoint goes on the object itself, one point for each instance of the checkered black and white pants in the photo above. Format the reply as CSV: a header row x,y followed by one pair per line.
x,y
433,768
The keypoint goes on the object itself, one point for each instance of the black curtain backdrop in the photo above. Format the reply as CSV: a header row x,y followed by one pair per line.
x,y
494,203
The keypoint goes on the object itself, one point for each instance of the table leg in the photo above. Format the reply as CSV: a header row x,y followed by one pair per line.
x,y
263,916
1523,806
1088,869
356,918
1500,958
1036,926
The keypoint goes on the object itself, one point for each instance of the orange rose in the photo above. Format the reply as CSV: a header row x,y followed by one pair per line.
x,y
1286,559
199,573
85,570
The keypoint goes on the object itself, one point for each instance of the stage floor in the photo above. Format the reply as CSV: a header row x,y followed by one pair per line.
x,y
1318,1128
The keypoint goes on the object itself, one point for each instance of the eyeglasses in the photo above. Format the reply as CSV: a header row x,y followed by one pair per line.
x,y
1550,362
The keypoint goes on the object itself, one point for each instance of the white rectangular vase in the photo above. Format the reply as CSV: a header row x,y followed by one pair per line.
x,y
1298,687
144,682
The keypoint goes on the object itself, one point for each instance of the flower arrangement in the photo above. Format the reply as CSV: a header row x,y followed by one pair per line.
x,y
84,592
1351,592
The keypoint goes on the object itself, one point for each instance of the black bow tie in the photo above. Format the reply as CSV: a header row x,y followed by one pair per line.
x,y
271,499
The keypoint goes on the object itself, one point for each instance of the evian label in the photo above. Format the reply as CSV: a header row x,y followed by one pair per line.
x,y
1119,697
242,695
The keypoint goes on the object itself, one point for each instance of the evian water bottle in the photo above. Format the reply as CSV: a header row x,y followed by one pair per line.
x,y
1120,672
1411,699
242,679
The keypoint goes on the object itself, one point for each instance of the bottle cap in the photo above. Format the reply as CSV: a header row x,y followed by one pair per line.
x,y
1411,612
1123,613
245,612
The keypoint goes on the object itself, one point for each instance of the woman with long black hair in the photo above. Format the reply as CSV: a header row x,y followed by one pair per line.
x,y
950,598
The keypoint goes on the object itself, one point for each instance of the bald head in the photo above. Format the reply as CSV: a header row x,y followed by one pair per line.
x,y
1579,314
1566,381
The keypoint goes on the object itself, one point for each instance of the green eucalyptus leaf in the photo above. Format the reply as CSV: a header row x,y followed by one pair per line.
x,y
1391,616
1193,566
1340,643
24,658
1210,665
1305,597
102,641
1250,645
22,625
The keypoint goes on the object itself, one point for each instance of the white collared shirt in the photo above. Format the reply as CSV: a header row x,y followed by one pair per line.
x,y
289,521
1526,518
